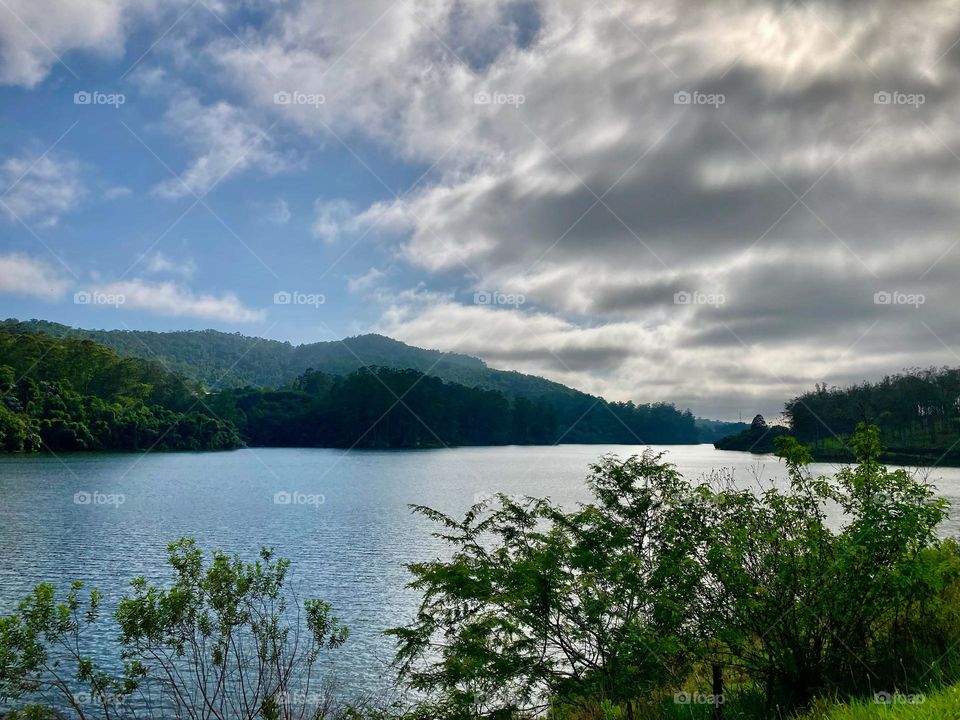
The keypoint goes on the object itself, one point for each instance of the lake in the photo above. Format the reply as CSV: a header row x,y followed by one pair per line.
x,y
341,517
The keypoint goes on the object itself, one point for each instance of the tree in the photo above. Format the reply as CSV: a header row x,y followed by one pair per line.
x,y
228,639
799,604
540,606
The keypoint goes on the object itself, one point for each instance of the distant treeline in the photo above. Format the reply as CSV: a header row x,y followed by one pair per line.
x,y
62,393
917,411
388,408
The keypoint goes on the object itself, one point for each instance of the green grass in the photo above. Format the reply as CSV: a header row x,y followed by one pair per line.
x,y
941,705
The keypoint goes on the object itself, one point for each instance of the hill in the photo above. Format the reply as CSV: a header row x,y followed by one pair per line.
x,y
222,360
347,380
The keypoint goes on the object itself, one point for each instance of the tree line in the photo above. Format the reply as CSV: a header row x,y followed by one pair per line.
x,y
917,412
388,408
71,393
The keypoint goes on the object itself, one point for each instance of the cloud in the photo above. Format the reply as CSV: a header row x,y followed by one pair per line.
x,y
40,189
160,263
23,275
36,36
333,217
226,142
792,158
366,281
172,300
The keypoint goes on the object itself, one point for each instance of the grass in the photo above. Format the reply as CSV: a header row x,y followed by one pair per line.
x,y
941,705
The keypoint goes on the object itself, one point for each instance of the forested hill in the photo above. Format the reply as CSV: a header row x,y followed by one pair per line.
x,y
230,360
72,393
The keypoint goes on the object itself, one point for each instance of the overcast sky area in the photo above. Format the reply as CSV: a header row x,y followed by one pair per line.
x,y
713,204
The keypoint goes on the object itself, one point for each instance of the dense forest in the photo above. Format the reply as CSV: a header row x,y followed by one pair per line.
x,y
917,411
73,394
70,393
387,408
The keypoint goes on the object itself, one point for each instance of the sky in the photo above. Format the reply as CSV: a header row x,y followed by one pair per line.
x,y
711,204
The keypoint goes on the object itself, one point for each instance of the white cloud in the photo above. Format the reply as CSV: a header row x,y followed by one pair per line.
x,y
160,263
173,300
35,36
226,142
333,217
694,197
23,275
366,281
40,189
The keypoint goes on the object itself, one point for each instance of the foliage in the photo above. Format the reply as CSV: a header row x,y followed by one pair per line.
x,y
73,394
829,585
540,606
227,639
917,411
805,607
540,411
383,407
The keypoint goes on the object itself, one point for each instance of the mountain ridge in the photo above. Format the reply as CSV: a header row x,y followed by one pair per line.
x,y
223,360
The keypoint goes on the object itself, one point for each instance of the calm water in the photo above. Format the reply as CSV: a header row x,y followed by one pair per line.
x,y
347,529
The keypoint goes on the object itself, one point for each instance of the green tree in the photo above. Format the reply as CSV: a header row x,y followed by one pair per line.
x,y
227,639
540,606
